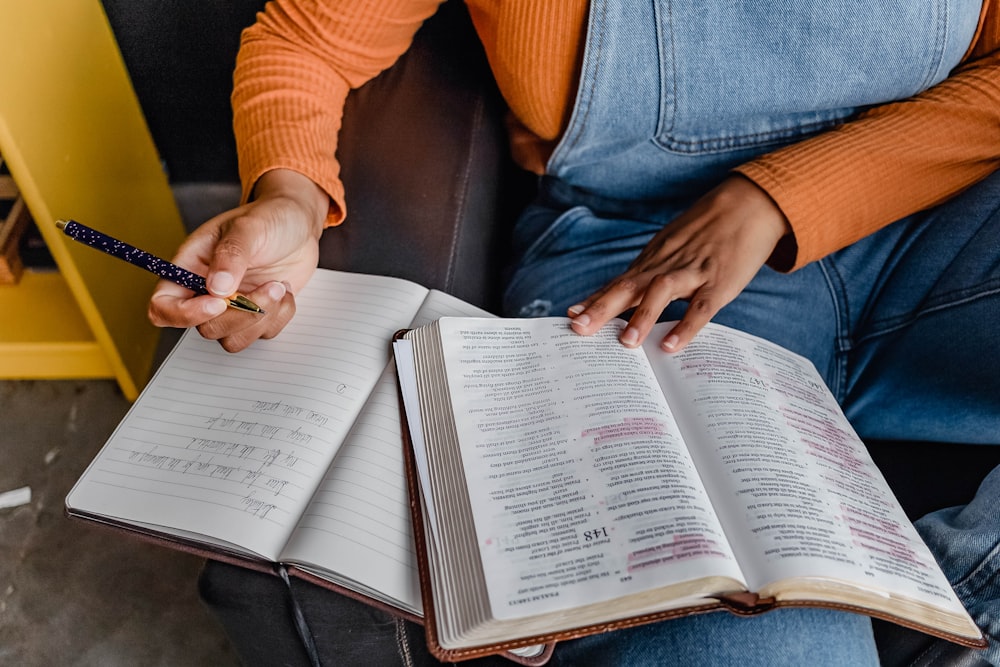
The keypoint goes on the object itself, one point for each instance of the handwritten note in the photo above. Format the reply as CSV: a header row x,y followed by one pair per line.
x,y
290,450
233,446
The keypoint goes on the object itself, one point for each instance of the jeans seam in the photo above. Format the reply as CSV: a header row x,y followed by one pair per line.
x,y
666,125
578,123
944,302
981,574
745,140
405,655
939,43
935,303
841,312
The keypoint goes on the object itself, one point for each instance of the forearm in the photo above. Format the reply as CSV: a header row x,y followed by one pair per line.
x,y
284,121
294,186
294,70
891,161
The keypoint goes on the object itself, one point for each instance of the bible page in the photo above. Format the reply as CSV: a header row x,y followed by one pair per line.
x,y
580,485
231,447
358,523
798,493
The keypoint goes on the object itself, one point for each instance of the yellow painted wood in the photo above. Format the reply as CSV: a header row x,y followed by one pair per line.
x,y
55,341
66,361
76,143
54,314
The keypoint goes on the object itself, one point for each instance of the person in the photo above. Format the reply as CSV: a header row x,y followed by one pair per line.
x,y
822,174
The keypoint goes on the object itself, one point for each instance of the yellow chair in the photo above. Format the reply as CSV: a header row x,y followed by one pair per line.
x,y
76,143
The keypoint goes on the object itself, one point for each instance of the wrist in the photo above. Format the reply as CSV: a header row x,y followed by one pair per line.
x,y
294,186
774,223
766,211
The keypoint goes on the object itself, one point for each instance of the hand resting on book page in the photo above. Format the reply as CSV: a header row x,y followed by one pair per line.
x,y
707,256
267,249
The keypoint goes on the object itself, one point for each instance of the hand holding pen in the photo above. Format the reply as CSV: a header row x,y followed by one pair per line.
x,y
153,264
268,248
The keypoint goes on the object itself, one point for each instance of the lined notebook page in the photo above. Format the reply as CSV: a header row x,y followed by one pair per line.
x,y
359,522
233,446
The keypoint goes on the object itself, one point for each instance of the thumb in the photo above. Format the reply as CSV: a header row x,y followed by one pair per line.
x,y
230,261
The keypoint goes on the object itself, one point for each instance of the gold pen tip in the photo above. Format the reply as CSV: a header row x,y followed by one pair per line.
x,y
240,302
61,224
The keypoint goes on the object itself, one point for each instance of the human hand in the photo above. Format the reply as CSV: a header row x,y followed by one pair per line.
x,y
706,256
266,249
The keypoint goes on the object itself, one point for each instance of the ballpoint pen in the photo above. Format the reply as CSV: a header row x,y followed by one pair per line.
x,y
152,263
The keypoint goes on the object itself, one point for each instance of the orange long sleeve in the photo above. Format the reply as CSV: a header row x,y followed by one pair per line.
x,y
297,65
892,161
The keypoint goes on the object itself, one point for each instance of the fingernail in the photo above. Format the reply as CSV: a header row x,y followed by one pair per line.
x,y
671,342
215,307
581,320
629,337
276,291
575,310
222,283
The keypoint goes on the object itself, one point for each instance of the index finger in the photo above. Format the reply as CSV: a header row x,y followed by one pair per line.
x,y
702,307
589,316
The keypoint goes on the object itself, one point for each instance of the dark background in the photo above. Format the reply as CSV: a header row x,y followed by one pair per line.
x,y
180,56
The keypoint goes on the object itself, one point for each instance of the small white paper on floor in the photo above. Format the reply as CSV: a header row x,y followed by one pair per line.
x,y
15,498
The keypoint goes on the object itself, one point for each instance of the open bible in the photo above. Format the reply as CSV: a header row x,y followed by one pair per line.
x,y
287,452
564,485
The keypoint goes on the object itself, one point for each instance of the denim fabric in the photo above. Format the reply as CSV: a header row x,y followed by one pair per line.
x,y
780,638
257,612
675,93
967,540
896,323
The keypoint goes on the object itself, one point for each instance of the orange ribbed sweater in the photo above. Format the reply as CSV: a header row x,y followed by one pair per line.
x,y
298,62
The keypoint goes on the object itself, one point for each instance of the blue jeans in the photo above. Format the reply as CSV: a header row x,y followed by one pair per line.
x,y
636,154
902,324
898,323
966,541
258,611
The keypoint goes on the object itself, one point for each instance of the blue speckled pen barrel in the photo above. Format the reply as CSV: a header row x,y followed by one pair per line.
x,y
133,255
144,260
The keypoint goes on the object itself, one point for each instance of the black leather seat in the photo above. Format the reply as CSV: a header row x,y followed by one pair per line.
x,y
431,191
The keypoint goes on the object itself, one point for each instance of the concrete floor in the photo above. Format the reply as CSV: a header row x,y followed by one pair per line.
x,y
72,593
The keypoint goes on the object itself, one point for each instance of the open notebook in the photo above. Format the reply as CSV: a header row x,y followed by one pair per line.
x,y
287,452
